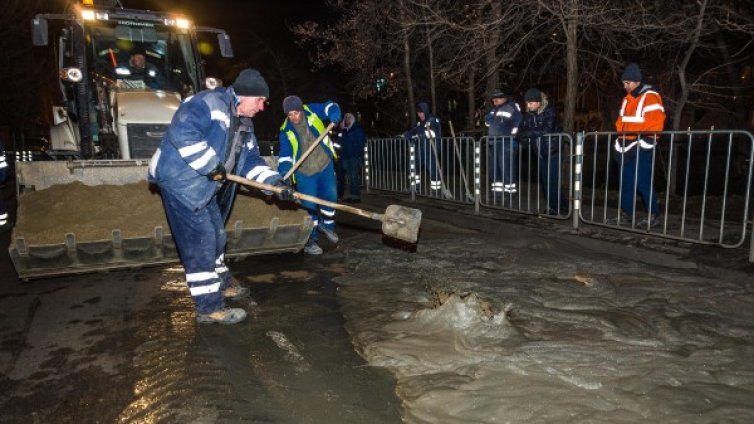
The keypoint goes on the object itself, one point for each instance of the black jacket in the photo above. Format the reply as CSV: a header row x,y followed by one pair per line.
x,y
538,123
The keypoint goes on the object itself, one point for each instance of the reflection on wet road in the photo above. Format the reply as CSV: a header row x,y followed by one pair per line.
x,y
125,347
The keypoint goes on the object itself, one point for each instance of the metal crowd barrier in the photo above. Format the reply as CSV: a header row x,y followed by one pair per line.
x,y
701,179
533,177
477,172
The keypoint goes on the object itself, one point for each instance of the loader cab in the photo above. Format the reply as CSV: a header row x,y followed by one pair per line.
x,y
123,74
136,58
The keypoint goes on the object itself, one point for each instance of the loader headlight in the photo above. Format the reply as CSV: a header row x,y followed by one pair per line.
x,y
71,74
212,83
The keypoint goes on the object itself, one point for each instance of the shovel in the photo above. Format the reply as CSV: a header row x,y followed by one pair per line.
x,y
398,222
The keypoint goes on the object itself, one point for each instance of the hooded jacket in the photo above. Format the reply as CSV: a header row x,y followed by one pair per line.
x,y
314,114
427,129
352,140
539,122
197,140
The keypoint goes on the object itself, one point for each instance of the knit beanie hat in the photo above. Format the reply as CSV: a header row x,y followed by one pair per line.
x,y
250,83
292,103
632,73
533,95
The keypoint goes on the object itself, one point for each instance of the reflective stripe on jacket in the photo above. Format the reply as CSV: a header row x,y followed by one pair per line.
x,y
196,142
641,111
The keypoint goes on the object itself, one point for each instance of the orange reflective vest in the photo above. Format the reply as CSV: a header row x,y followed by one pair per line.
x,y
641,113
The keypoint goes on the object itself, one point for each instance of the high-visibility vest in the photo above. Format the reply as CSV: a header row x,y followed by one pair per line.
x,y
313,120
643,113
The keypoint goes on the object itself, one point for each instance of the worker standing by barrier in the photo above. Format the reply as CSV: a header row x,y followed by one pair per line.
x,y
541,119
3,177
211,133
642,112
503,121
427,135
352,140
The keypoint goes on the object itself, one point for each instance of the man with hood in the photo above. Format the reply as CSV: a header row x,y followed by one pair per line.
x,y
316,174
211,133
503,121
541,119
426,131
641,117
352,141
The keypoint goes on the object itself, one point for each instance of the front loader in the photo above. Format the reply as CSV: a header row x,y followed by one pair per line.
x,y
89,208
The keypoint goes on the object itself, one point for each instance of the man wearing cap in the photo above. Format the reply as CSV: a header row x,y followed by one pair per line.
x,y
641,117
540,120
316,174
211,133
503,121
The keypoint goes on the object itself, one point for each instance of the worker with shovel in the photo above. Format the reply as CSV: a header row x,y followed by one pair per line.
x,y
211,132
309,160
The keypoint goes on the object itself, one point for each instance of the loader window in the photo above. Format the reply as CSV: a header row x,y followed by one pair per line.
x,y
170,56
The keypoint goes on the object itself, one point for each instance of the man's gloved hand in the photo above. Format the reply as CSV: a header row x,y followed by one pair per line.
x,y
218,174
286,194
334,115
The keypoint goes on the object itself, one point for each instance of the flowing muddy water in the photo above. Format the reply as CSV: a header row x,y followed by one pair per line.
x,y
529,328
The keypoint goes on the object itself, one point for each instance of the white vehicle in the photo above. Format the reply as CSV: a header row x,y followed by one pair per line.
x,y
111,118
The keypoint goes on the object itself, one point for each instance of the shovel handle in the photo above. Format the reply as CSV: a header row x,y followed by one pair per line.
x,y
302,196
308,151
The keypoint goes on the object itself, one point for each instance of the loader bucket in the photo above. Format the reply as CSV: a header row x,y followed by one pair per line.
x,y
89,216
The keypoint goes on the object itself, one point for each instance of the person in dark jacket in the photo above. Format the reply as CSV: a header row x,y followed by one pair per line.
x,y
352,141
541,119
211,133
139,69
3,177
503,121
426,131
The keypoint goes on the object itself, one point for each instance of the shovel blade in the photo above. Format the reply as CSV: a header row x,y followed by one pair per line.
x,y
402,223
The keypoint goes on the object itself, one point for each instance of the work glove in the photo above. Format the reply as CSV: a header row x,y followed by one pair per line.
x,y
334,114
286,194
218,174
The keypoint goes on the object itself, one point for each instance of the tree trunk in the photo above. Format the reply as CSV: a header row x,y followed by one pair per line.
x,y
490,48
572,69
407,69
432,89
471,99
684,95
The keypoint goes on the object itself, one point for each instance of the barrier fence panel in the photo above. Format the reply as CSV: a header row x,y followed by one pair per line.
x,y
437,169
531,177
696,184
387,164
693,186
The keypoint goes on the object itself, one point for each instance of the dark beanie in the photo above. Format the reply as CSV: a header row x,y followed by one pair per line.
x,y
497,94
632,73
292,103
250,83
533,95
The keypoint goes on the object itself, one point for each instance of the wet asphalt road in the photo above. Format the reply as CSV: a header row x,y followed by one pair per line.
x,y
123,346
